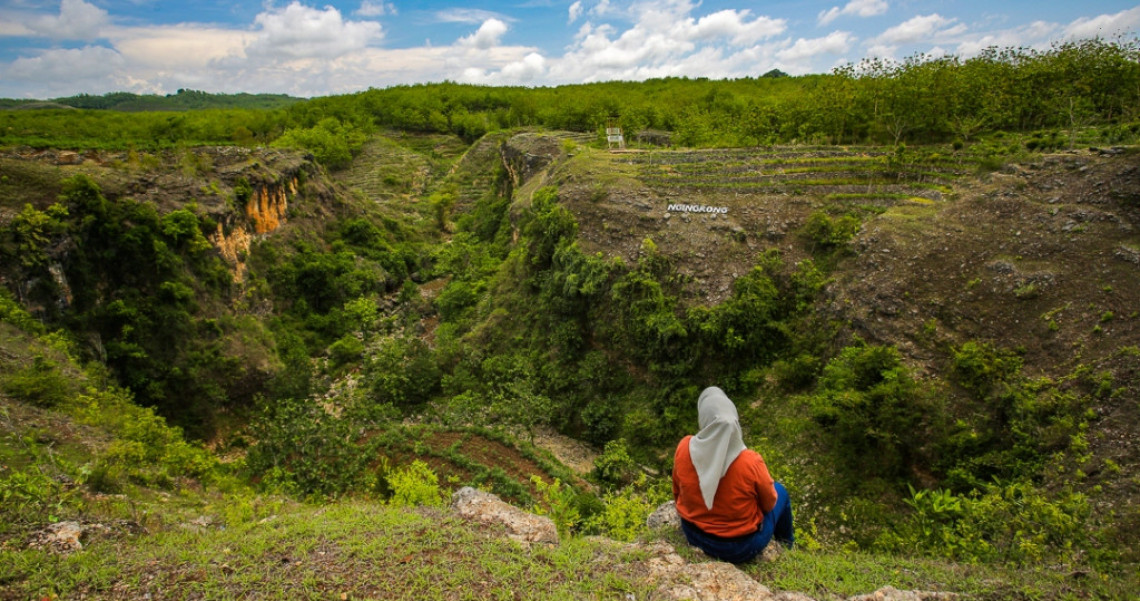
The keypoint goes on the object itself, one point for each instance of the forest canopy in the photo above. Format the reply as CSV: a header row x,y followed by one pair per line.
x,y
922,99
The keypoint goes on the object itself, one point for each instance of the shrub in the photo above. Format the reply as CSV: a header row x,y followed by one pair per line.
x,y
981,367
347,349
624,511
881,417
829,232
601,419
12,312
1011,522
559,502
403,372
306,448
415,484
28,496
614,467
40,384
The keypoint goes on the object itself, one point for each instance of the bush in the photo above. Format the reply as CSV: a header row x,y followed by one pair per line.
x,y
305,448
40,384
146,449
348,349
624,511
559,502
614,467
882,419
415,484
1011,522
828,232
601,419
403,372
11,312
981,368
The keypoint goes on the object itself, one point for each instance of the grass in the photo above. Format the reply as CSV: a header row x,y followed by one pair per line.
x,y
825,574
347,550
23,182
880,196
838,573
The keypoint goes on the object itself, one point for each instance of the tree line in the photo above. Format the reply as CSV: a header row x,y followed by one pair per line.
x,y
922,99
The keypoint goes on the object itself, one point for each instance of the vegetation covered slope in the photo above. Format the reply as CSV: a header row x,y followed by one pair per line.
x,y
932,344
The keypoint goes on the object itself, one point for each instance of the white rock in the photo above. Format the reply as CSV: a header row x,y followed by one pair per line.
x,y
890,593
487,508
664,516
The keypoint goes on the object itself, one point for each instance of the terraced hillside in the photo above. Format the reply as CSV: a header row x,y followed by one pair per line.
x,y
712,211
844,174
400,166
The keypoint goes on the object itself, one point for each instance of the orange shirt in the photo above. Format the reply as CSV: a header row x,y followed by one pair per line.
x,y
744,495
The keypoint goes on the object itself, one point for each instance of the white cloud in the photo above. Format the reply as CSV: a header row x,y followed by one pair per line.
x,y
602,9
1105,26
177,46
487,36
575,12
665,39
837,42
298,31
1035,35
532,67
881,51
468,15
375,8
77,20
11,28
733,25
68,70
862,8
921,28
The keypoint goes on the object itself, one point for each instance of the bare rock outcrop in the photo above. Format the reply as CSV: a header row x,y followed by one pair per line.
x,y
890,593
487,508
712,581
526,154
665,516
64,537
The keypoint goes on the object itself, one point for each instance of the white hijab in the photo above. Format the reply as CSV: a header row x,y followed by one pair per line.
x,y
718,443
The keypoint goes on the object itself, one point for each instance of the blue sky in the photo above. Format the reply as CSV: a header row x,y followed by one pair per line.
x,y
52,48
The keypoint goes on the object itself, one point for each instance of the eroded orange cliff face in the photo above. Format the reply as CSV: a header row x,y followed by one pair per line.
x,y
267,207
265,211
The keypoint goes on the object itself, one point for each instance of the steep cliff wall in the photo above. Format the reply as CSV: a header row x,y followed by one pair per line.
x,y
265,211
267,208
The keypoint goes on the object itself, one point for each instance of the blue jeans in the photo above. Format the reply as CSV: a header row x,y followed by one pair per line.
x,y
777,524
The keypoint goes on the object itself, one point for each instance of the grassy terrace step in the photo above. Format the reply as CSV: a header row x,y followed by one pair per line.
x,y
851,165
474,457
851,177
816,186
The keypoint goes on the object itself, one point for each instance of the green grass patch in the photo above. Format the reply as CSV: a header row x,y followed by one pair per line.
x,y
344,550
832,573
879,196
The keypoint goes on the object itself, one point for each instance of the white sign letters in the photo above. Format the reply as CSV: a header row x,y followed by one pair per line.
x,y
681,208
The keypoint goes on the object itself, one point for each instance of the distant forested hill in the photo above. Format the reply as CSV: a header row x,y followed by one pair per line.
x,y
183,100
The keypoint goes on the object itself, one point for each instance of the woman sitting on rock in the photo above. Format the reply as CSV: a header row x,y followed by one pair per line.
x,y
729,505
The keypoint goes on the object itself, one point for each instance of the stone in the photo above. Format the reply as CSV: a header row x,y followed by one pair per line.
x,y
488,508
707,581
890,593
665,516
63,537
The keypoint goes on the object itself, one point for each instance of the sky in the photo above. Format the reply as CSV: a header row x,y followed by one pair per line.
x,y
55,48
